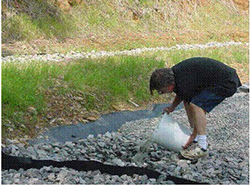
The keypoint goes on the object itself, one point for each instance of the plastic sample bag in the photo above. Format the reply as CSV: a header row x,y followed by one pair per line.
x,y
170,134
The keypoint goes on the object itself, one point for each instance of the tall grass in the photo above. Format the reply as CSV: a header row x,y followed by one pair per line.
x,y
23,87
34,20
109,80
103,82
114,79
112,25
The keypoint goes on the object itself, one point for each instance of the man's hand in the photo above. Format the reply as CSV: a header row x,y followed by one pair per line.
x,y
168,110
171,108
190,140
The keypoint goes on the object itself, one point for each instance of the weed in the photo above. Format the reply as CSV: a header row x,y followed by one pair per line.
x,y
106,25
96,85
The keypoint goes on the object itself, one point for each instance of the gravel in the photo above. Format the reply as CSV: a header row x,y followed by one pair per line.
x,y
228,161
93,54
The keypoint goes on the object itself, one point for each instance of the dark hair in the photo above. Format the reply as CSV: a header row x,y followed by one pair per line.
x,y
161,78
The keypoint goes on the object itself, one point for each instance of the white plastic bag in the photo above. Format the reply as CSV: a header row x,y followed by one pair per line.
x,y
170,134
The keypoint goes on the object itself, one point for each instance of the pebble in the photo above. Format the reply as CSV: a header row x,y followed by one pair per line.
x,y
227,164
93,54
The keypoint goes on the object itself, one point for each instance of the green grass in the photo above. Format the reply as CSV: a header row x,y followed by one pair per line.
x,y
236,56
22,87
40,20
102,82
118,78
110,25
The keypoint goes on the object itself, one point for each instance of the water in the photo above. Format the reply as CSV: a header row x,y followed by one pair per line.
x,y
138,159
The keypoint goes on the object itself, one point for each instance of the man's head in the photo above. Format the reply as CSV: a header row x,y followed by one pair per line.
x,y
162,80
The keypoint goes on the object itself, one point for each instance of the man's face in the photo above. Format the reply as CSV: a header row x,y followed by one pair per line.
x,y
167,89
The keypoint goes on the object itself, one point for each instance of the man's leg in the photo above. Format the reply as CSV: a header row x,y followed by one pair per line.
x,y
197,120
196,111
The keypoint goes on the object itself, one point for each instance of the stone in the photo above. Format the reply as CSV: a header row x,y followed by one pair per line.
x,y
82,181
69,144
183,164
244,88
63,5
101,144
177,170
41,153
98,179
51,177
34,181
9,141
13,149
32,111
92,118
108,135
90,137
230,166
170,182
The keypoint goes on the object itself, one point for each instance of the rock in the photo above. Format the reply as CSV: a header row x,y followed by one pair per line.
x,y
13,149
118,162
34,181
108,135
69,144
62,175
9,141
183,164
170,182
244,88
92,118
101,144
90,137
177,170
45,170
32,111
41,153
82,181
63,5
51,177
228,163
30,173
98,179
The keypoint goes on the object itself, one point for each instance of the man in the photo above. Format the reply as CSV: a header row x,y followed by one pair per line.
x,y
201,83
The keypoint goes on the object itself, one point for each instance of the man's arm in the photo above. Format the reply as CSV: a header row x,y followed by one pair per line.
x,y
175,103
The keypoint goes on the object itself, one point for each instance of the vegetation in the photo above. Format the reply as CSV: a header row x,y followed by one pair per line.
x,y
41,27
37,93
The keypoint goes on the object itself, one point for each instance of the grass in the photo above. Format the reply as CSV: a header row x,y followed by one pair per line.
x,y
101,84
37,21
112,79
106,25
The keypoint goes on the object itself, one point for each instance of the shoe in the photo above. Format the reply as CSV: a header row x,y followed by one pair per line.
x,y
193,145
195,153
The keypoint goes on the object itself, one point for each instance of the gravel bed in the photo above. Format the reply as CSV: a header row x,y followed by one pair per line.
x,y
93,54
228,161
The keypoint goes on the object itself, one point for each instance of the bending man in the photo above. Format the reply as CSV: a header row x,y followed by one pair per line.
x,y
201,83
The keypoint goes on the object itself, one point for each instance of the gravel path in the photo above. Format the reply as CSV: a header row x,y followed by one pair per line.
x,y
228,163
93,54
